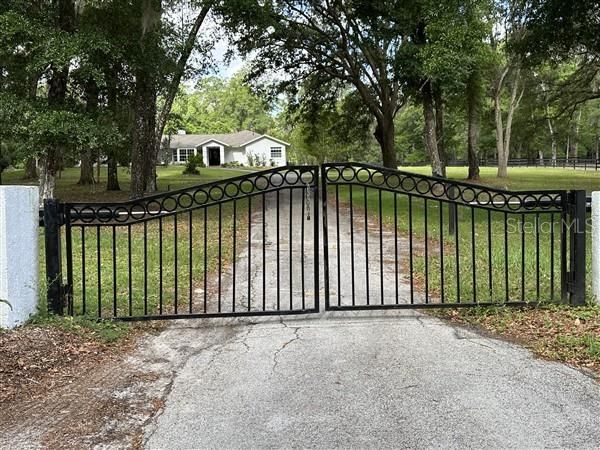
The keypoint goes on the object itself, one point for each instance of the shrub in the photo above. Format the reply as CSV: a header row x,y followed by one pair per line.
x,y
233,164
191,167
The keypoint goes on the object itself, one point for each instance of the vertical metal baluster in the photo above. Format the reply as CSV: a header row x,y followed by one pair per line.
x,y
220,256
99,268
160,264
552,256
537,254
175,245
277,245
563,247
366,244
69,251
83,275
410,250
129,284
145,268
190,263
523,257
441,211
506,256
264,258
473,259
234,256
205,256
316,239
457,251
489,242
352,247
302,247
426,241
337,240
114,269
396,243
249,253
381,247
291,240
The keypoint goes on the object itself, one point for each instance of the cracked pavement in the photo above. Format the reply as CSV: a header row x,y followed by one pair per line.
x,y
360,379
369,379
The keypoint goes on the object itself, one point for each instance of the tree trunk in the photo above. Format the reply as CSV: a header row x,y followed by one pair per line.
x,y
112,179
86,171
57,92
429,131
439,127
577,128
47,177
145,152
385,135
178,73
144,133
552,140
86,174
30,169
473,125
515,99
50,160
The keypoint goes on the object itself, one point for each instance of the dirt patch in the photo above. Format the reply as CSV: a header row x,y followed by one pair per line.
x,y
562,333
36,359
61,389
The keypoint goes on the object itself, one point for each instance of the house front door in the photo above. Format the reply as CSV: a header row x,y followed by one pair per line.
x,y
214,156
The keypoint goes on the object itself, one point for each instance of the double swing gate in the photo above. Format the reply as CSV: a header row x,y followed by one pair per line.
x,y
251,245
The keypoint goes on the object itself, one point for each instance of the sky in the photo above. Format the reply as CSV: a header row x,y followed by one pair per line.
x,y
220,49
226,69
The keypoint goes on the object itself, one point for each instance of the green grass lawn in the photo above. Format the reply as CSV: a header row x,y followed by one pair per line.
x,y
169,178
526,178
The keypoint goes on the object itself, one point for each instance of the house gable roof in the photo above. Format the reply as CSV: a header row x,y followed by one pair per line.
x,y
265,136
238,139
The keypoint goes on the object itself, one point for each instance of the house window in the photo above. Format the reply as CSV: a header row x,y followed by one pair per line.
x,y
174,155
185,154
276,152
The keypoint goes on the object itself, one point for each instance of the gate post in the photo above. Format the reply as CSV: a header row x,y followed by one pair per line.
x,y
52,223
577,223
596,246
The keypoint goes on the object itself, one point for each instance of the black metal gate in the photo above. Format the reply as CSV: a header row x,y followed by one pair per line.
x,y
194,252
249,245
395,239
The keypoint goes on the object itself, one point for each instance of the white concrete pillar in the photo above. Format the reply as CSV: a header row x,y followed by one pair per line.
x,y
19,269
596,246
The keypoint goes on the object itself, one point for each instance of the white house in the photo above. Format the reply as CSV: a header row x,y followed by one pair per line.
x,y
245,147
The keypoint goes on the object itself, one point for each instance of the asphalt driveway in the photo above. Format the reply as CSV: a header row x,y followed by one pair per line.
x,y
397,379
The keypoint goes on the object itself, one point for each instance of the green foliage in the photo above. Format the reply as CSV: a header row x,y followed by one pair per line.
x,y
217,105
192,165
256,160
